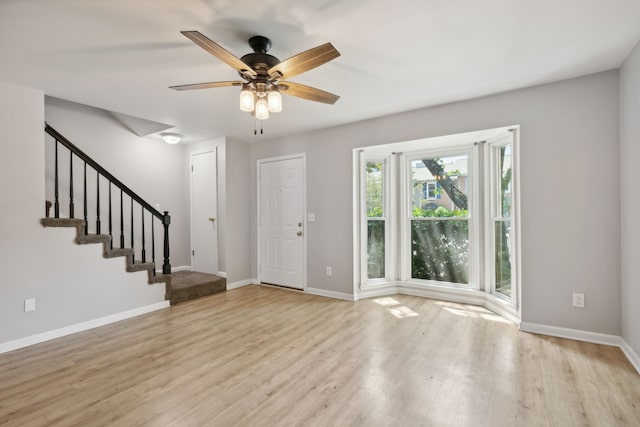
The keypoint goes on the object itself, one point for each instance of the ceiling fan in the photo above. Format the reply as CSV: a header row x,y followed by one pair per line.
x,y
263,74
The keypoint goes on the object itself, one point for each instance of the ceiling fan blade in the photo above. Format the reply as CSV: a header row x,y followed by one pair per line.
x,y
206,85
304,61
307,92
218,51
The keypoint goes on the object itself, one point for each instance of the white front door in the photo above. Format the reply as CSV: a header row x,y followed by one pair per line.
x,y
204,209
281,222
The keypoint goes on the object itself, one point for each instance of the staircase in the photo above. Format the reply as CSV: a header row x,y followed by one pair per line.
x,y
180,286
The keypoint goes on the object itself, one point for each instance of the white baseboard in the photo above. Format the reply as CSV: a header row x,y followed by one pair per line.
x,y
176,269
573,334
79,327
631,355
222,274
330,294
241,283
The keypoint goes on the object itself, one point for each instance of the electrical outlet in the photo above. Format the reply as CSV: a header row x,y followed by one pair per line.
x,y
30,304
578,300
329,271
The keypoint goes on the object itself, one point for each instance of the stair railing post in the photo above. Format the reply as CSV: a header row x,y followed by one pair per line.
x,y
71,207
153,244
56,204
98,229
86,222
121,222
144,249
110,220
166,220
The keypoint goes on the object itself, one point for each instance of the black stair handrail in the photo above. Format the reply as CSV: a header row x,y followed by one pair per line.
x,y
164,217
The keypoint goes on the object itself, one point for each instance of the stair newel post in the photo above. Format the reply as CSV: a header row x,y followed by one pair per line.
x,y
110,220
144,251
166,220
153,245
56,205
133,256
97,202
86,222
121,222
71,207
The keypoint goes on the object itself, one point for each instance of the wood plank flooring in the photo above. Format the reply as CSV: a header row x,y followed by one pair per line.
x,y
259,356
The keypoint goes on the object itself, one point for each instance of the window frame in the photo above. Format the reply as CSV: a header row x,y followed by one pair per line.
x,y
364,218
406,189
493,213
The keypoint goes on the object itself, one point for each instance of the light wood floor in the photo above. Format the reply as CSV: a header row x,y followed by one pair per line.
x,y
258,356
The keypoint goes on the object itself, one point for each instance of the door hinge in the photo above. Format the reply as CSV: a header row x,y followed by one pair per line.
x,y
193,253
191,168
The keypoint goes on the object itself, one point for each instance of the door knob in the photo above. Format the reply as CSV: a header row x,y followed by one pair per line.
x,y
299,233
212,219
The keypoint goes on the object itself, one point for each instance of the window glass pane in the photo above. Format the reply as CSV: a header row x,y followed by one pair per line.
x,y
374,190
375,249
440,250
439,187
504,184
503,257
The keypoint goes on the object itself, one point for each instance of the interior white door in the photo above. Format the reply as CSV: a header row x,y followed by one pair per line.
x,y
281,223
204,209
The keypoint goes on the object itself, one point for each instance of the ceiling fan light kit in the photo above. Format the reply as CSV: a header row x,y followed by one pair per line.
x,y
263,74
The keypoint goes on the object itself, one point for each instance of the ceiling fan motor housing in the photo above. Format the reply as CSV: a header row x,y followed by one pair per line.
x,y
260,61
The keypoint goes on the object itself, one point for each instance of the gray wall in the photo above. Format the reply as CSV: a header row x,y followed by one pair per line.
x,y
239,214
569,186
150,167
71,283
630,199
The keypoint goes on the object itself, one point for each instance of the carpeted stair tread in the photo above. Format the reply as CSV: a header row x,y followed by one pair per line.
x,y
85,239
116,252
187,285
139,266
62,222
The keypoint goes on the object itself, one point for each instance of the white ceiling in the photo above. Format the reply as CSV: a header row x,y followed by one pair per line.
x,y
121,55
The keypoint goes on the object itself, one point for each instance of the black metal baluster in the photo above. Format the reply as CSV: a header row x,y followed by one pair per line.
x,y
97,202
56,205
121,222
166,220
86,223
110,220
71,207
133,256
144,251
153,245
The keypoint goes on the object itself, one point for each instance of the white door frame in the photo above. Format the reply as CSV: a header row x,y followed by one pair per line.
x,y
191,155
302,156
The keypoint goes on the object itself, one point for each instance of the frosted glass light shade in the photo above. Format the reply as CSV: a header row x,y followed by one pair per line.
x,y
275,101
246,99
262,109
171,138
